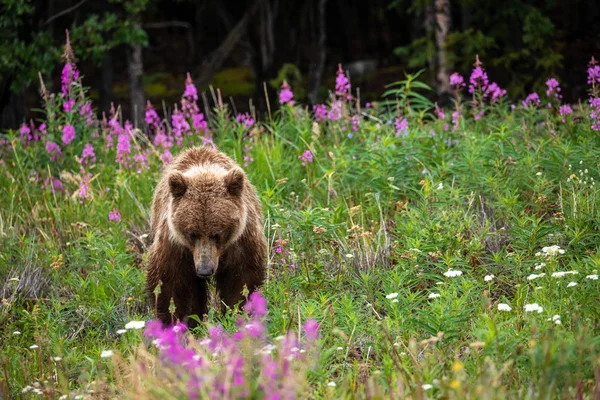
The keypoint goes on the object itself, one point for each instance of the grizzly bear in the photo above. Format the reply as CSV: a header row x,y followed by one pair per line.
x,y
206,221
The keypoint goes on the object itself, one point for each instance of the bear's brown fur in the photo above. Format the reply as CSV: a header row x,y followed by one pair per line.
x,y
206,220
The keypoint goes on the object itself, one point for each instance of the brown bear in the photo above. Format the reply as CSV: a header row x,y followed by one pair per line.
x,y
206,221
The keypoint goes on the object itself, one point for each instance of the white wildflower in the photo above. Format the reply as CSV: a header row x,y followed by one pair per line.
x,y
552,250
427,386
34,346
121,331
539,174
57,359
593,277
488,278
349,255
558,274
535,276
440,186
433,295
106,353
392,295
340,348
16,333
533,308
331,384
540,265
451,273
135,325
504,307
571,284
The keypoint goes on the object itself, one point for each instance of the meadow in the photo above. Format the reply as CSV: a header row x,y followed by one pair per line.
x,y
415,252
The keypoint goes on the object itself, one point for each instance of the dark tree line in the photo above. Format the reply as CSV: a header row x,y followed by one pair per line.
x,y
520,42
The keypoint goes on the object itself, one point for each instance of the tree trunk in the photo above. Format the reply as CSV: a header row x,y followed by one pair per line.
x,y
429,24
106,83
315,73
228,45
136,85
443,21
267,35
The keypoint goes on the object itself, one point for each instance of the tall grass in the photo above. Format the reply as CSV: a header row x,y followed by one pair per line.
x,y
438,253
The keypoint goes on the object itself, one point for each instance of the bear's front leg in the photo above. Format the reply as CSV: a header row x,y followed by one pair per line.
x,y
236,270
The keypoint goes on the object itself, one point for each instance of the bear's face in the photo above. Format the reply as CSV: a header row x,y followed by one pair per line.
x,y
206,213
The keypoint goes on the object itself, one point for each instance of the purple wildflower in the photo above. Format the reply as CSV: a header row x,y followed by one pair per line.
x,y
68,134
256,305
531,100
311,329
141,161
320,112
478,80
25,133
286,95
87,155
478,116
123,148
68,76
53,150
306,157
88,113
245,119
342,84
68,105
199,123
565,110
190,89
457,80
401,125
84,187
335,112
355,119
553,89
494,91
166,157
57,185
593,72
42,128
114,216
180,125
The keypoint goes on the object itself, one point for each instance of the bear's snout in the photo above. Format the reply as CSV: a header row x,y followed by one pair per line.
x,y
204,270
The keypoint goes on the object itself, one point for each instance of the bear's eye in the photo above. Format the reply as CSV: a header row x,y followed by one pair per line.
x,y
215,237
193,236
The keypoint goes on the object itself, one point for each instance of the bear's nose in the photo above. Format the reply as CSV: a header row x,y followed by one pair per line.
x,y
204,271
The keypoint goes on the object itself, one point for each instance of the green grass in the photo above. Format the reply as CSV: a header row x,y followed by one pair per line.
x,y
371,216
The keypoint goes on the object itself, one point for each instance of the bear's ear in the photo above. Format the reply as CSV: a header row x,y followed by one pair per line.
x,y
177,184
234,181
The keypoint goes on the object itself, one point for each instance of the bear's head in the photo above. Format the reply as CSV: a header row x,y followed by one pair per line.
x,y
207,212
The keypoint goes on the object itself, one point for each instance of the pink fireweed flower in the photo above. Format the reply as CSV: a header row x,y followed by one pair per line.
x,y
87,155
53,150
88,113
311,329
68,105
593,72
180,125
494,92
401,125
457,80
42,128
25,133
114,216
245,119
68,134
478,79
355,119
123,149
342,84
595,113
320,112
456,116
335,112
199,123
565,110
68,76
84,187
286,95
166,157
553,89
57,185
478,116
306,157
141,161
256,305
190,89
531,100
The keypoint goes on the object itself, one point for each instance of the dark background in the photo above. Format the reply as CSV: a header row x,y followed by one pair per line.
x,y
130,51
